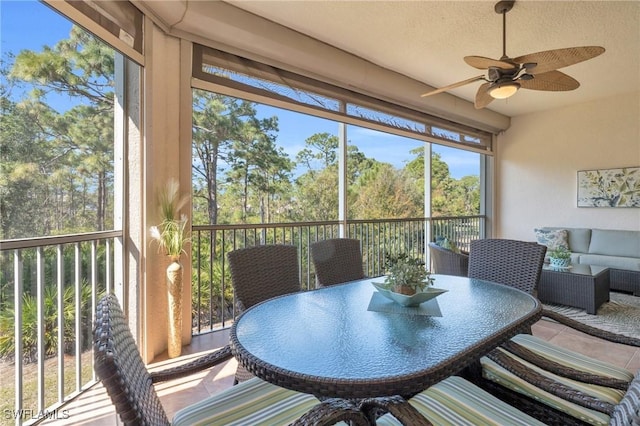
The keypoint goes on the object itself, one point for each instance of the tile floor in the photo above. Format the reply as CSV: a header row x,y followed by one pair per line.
x,y
94,407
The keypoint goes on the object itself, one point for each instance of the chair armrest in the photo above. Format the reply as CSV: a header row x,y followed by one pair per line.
x,y
549,385
332,411
593,331
562,370
199,364
397,406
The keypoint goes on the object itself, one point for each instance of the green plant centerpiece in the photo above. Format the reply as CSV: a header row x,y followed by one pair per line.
x,y
560,257
171,236
406,275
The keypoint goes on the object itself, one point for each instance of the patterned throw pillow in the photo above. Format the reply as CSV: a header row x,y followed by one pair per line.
x,y
552,238
447,244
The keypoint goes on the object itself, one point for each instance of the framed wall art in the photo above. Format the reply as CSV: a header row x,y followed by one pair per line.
x,y
609,187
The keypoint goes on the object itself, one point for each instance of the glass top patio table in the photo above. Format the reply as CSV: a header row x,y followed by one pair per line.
x,y
327,343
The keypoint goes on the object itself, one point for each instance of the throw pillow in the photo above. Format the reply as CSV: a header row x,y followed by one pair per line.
x,y
447,244
552,238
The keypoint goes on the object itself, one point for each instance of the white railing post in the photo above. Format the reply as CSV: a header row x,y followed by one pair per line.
x,y
40,325
60,286
78,298
17,303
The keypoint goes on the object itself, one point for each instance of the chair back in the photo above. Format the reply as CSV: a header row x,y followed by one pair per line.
x,y
337,260
120,367
514,263
261,272
448,262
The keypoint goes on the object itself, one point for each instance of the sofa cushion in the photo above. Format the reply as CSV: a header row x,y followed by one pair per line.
x,y
612,242
250,402
615,262
579,239
552,238
455,401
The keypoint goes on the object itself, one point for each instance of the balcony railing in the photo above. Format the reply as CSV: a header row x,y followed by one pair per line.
x,y
212,292
50,287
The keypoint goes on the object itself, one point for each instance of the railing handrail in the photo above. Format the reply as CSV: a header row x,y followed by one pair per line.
x,y
23,243
325,222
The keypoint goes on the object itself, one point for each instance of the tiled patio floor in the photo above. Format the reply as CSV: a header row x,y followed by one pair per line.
x,y
94,407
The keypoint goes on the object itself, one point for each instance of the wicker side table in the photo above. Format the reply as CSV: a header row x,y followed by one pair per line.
x,y
581,286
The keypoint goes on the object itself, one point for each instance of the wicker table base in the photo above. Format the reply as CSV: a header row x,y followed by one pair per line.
x,y
580,286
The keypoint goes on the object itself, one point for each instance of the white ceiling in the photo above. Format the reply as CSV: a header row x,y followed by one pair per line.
x,y
427,40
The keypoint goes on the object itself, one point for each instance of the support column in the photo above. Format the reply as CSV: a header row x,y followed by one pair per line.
x,y
167,155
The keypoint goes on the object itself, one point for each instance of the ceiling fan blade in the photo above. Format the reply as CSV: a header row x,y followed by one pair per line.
x,y
482,96
483,63
453,86
550,60
553,81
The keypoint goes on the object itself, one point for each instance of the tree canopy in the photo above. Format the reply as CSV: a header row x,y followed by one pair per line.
x,y
57,165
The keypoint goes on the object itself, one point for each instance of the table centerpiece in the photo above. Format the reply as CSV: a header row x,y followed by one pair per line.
x,y
407,281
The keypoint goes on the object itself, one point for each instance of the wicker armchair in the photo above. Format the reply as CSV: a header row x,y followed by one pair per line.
x,y
561,382
514,263
567,387
130,386
448,262
457,401
259,273
337,260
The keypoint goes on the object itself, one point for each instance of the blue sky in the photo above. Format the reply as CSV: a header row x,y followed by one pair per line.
x,y
45,27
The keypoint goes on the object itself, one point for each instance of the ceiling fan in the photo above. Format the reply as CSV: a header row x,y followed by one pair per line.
x,y
536,71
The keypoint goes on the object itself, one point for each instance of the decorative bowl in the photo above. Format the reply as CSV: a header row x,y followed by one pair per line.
x,y
414,300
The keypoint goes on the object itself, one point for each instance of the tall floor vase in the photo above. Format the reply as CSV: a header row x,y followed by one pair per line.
x,y
174,294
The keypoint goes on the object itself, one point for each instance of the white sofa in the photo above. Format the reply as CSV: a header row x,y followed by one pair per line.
x,y
619,250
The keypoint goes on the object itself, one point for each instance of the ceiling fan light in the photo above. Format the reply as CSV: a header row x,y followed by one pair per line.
x,y
504,90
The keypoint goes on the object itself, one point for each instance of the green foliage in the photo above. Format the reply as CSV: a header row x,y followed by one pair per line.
x,y
57,166
29,323
385,192
171,233
560,253
405,271
317,195
210,297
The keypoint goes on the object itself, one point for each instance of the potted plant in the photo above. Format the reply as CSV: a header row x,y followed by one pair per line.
x,y
406,275
560,257
171,237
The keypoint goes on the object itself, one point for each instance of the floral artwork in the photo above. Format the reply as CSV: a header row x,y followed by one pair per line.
x,y
609,187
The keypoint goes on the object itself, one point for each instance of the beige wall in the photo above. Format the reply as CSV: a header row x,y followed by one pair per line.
x,y
539,155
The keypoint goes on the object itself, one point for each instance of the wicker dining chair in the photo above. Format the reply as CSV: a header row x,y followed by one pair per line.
x,y
337,260
259,273
510,262
448,262
119,366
